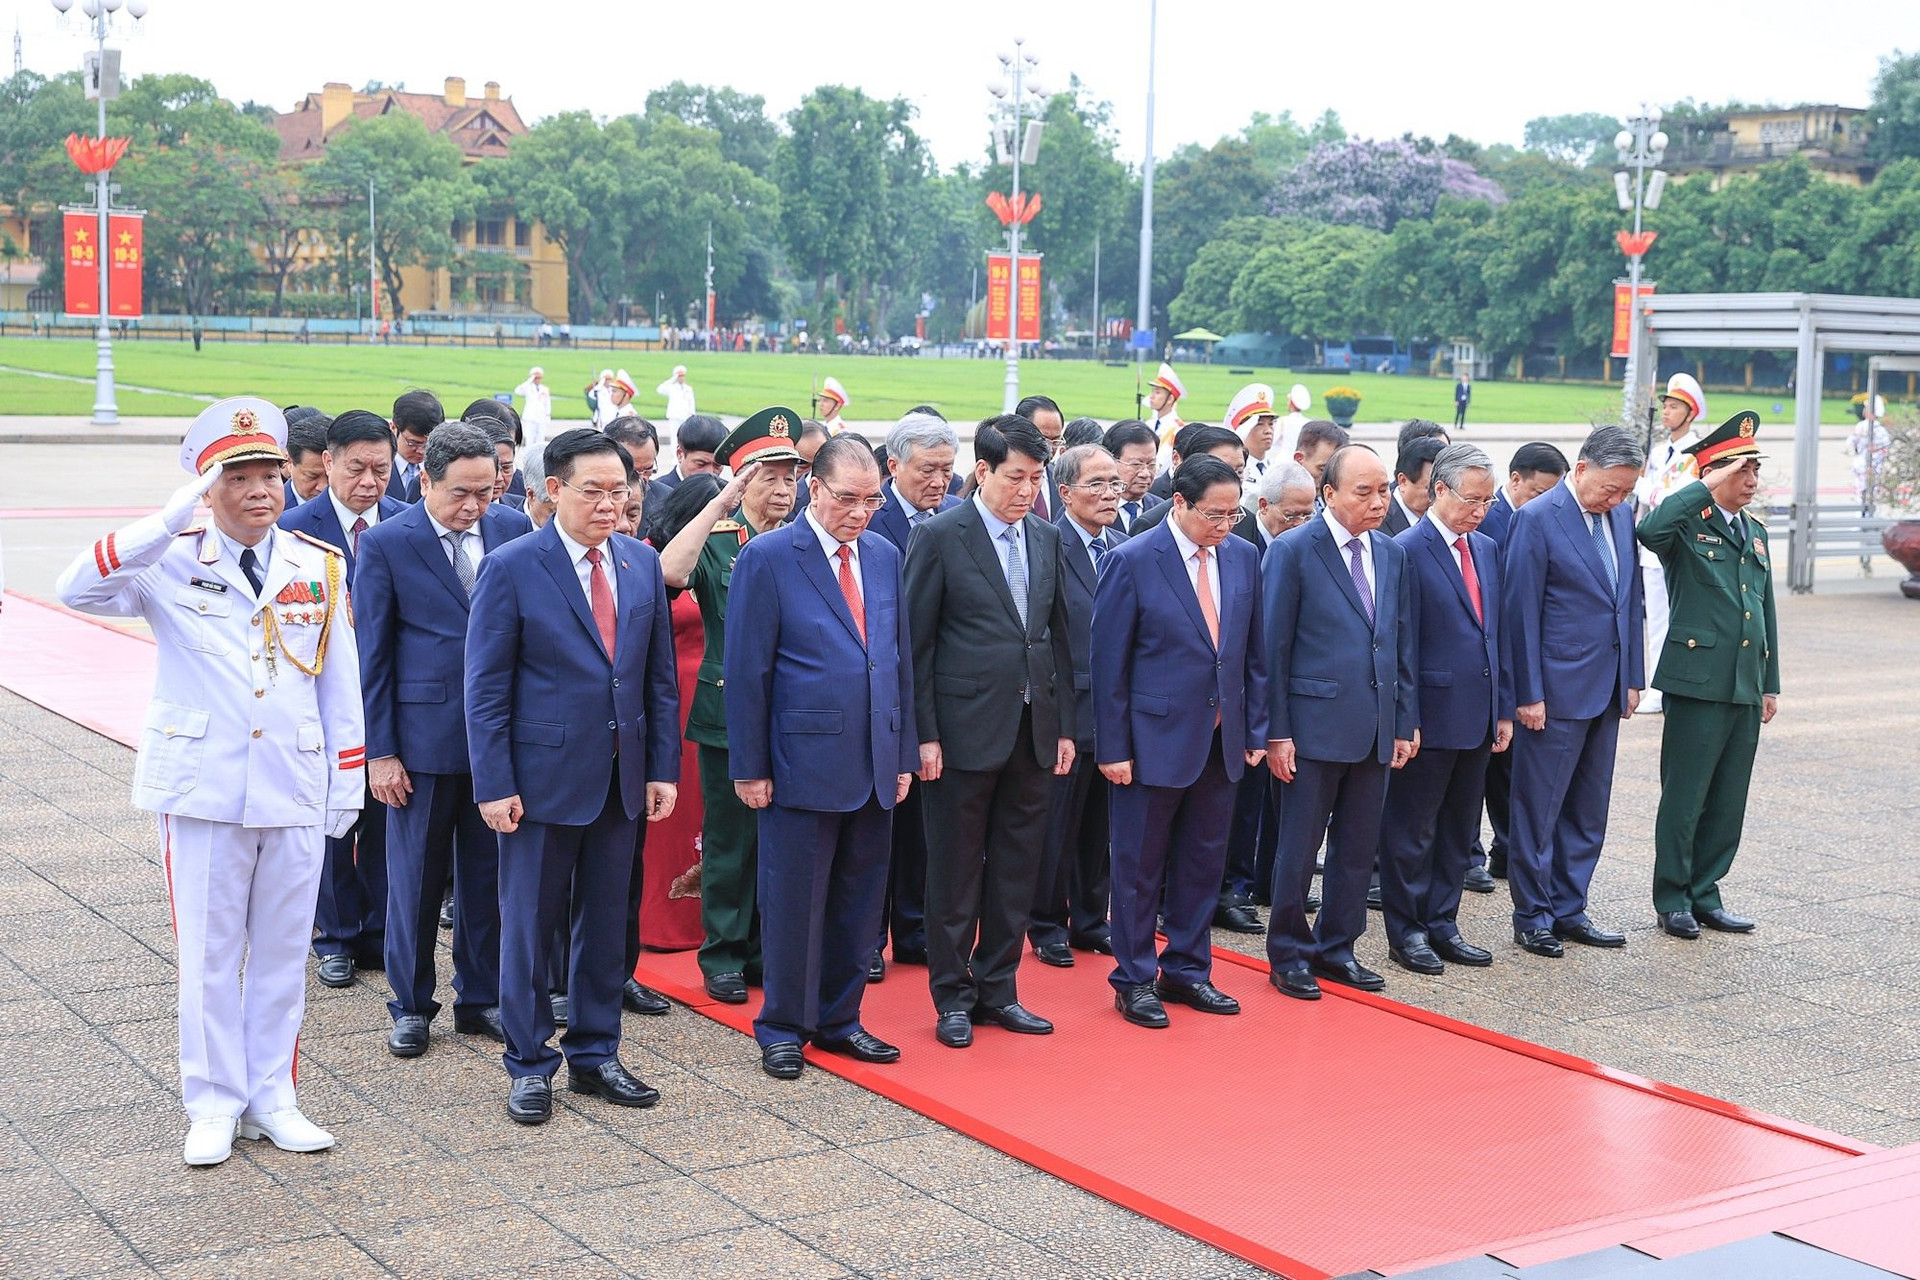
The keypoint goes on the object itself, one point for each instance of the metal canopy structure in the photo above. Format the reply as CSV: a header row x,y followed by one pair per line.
x,y
1808,324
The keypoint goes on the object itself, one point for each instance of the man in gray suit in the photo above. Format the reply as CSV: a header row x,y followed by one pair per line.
x,y
991,670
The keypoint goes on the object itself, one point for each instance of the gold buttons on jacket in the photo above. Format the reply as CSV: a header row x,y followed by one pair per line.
x,y
256,733
1690,643
1745,643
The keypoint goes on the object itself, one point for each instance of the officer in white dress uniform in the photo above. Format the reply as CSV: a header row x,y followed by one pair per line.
x,y
828,403
1669,467
1163,393
251,755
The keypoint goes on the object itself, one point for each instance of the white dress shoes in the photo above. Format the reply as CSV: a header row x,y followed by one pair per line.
x,y
209,1141
288,1130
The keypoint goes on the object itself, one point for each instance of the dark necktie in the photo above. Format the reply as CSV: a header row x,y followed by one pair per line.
x,y
1736,525
250,565
1098,550
462,567
1605,546
359,527
602,597
1133,513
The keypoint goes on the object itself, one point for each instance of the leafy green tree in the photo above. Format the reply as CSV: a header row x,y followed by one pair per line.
x,y
1426,281
1277,142
1877,254
1573,139
1194,194
564,172
747,136
1312,286
422,188
1895,108
1207,299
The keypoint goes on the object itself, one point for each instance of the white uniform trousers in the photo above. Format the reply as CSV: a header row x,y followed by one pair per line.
x,y
241,896
1654,579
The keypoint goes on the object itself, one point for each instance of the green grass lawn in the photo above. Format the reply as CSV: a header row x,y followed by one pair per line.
x,y
337,378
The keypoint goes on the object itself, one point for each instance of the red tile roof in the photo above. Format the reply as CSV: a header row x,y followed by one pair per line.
x,y
483,128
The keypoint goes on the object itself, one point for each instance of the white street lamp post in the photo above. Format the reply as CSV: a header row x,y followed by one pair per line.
x,y
1014,145
1641,145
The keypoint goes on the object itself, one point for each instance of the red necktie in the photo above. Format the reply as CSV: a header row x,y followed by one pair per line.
x,y
359,527
602,596
851,590
1473,579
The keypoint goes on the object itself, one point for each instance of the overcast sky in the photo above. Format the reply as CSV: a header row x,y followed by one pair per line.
x,y
1478,69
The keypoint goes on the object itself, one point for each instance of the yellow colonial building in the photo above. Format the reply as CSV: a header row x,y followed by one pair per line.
x,y
507,265
1832,139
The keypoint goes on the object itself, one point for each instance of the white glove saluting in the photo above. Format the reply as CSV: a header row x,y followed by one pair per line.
x,y
178,513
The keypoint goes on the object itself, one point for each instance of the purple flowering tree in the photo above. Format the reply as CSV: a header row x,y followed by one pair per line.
x,y
1374,184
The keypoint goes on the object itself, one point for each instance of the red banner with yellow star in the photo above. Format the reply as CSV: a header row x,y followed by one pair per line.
x,y
125,262
83,262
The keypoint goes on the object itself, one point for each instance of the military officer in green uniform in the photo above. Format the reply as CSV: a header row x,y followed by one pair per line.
x,y
1719,671
700,558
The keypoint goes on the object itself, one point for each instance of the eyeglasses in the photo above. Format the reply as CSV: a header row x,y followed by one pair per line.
x,y
1216,517
1478,504
1136,464
871,502
617,496
1295,517
1100,486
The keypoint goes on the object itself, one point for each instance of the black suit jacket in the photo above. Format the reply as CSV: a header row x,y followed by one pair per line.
x,y
1396,522
1077,573
970,654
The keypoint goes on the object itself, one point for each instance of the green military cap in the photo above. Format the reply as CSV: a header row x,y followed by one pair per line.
x,y
1737,437
767,436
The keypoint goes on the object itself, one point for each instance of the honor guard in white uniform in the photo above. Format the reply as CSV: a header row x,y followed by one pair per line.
x,y
1251,416
828,404
1670,466
1287,431
251,755
1163,393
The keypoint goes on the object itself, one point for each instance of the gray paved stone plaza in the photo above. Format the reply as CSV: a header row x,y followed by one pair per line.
x,y
1816,1017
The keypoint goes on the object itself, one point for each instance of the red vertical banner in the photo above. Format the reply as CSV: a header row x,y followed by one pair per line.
x,y
1623,315
82,256
126,262
999,295
1030,304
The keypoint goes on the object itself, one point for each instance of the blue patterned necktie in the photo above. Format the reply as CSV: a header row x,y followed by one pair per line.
x,y
1360,576
1016,574
1605,546
1098,549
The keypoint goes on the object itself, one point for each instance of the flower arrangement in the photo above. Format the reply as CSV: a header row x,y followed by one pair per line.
x,y
1342,403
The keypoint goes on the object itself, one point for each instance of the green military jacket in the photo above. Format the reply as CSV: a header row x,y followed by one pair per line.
x,y
1722,638
711,577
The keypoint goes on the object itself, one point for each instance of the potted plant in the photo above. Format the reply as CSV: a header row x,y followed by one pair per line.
x,y
1342,404
1894,469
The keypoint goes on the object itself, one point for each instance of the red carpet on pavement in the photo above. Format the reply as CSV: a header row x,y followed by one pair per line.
x,y
1311,1139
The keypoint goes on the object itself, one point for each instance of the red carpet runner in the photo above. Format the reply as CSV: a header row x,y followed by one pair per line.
x,y
1310,1139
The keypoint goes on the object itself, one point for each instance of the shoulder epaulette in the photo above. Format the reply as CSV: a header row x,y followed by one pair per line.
x,y
724,526
198,528
324,546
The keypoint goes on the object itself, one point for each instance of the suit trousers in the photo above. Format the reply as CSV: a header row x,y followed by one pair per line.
x,y
905,907
1706,763
986,836
1252,837
1500,809
636,884
1071,902
729,878
350,913
1176,837
1338,803
242,901
540,865
1562,784
822,878
439,829
1426,839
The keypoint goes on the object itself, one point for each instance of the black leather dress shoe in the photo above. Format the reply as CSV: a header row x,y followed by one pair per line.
x,y
1588,936
877,968
1140,1006
1297,983
954,1030
1099,944
1724,921
1351,974
1540,942
446,912
1679,924
1417,955
727,988
1203,996
909,955
782,1059
1374,901
561,1006
531,1100
480,1022
1477,881
1013,1017
336,971
1313,902
1057,954
1457,950
641,998
1239,918
861,1046
614,1083
408,1039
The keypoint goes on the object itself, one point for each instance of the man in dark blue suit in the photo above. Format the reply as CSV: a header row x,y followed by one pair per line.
x,y
573,724
1534,469
1466,716
1342,713
1136,450
1186,671
411,588
415,415
1573,622
306,455
822,755
920,453
1070,906
350,918
694,443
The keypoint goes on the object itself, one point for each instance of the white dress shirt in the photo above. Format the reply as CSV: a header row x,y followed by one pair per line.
x,y
1448,536
1190,557
262,551
583,569
1406,511
470,542
1340,540
997,527
347,515
1087,539
830,547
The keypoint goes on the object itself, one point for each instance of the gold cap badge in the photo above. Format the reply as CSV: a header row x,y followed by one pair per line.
x,y
779,426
